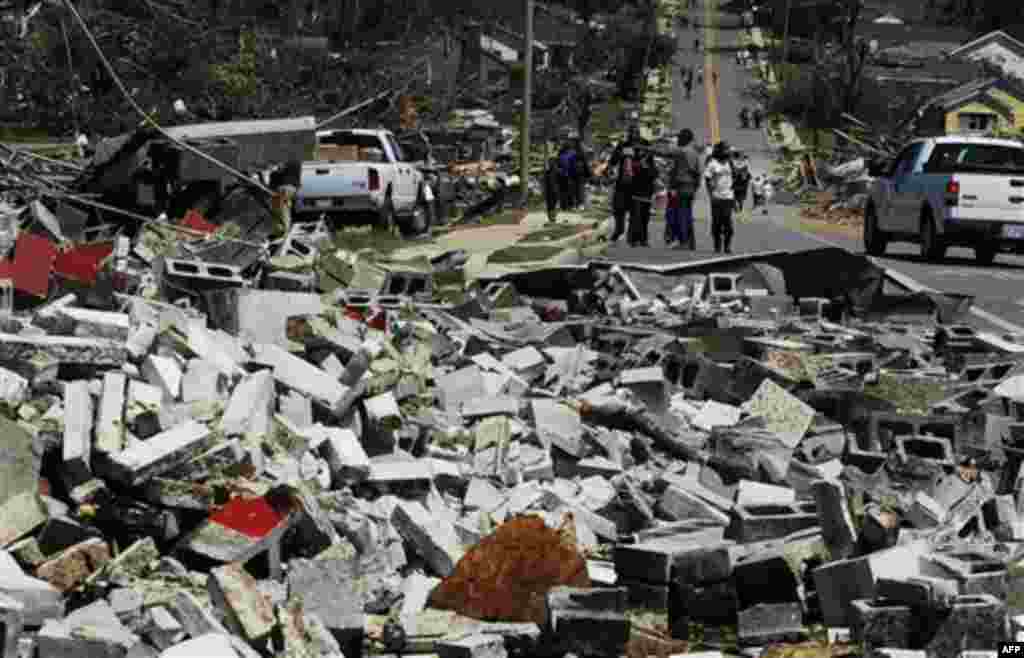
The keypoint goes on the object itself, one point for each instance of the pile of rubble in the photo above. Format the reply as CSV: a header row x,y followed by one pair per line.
x,y
204,456
833,209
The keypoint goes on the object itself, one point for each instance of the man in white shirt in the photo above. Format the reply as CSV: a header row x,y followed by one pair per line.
x,y
718,174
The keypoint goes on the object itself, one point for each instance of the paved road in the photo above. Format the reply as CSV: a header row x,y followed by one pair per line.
x,y
998,289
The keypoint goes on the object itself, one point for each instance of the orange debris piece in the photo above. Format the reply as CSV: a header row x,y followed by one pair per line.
x,y
506,577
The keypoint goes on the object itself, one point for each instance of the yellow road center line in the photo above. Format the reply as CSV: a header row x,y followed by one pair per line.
x,y
714,126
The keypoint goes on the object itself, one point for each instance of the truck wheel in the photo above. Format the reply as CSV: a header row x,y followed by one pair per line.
x,y
932,247
386,217
875,240
984,254
422,216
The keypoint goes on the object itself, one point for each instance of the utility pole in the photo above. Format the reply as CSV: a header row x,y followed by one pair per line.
x,y
524,131
785,40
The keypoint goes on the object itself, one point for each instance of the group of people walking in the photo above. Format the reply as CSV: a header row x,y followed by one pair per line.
x,y
724,171
565,178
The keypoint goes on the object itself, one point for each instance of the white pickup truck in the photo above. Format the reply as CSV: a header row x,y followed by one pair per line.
x,y
363,173
949,191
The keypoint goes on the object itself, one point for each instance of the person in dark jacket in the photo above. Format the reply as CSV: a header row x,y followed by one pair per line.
x,y
582,173
551,189
624,163
566,176
644,180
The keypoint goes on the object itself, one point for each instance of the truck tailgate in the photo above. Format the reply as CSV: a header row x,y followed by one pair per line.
x,y
990,197
332,180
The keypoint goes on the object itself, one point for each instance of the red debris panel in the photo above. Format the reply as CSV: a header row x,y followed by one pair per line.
x,y
252,517
194,220
83,263
506,577
32,264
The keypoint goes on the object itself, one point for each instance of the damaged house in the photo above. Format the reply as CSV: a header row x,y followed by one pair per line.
x,y
981,107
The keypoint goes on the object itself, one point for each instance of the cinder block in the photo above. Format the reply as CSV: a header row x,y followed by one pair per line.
x,y
761,522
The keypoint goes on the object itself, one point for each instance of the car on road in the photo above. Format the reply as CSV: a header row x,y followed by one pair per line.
x,y
949,191
363,174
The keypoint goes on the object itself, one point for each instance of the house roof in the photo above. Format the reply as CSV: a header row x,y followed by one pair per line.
x,y
997,36
971,90
890,34
549,26
955,71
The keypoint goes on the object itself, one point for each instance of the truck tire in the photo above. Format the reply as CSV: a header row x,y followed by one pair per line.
x,y
386,216
985,254
933,249
875,240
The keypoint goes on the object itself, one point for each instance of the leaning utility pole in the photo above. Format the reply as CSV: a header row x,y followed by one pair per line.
x,y
524,130
785,40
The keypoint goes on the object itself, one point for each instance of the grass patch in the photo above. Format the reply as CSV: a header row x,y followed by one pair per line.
x,y
909,396
29,135
505,217
358,238
523,254
557,232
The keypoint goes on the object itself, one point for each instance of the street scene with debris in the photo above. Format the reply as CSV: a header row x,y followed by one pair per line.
x,y
473,358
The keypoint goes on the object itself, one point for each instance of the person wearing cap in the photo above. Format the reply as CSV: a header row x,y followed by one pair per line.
x,y
718,175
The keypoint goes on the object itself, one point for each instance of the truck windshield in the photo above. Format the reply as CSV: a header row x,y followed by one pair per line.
x,y
995,158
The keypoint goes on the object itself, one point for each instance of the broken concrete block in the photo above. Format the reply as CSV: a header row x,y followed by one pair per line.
x,y
752,493
483,407
382,410
306,378
559,425
247,611
460,386
251,406
527,362
23,348
203,380
344,454
165,373
841,582
195,617
330,589
159,454
878,624
435,539
40,599
11,623
19,515
210,645
110,427
834,517
472,646
240,530
975,622
762,522
677,504
768,623
715,414
78,424
974,571
785,414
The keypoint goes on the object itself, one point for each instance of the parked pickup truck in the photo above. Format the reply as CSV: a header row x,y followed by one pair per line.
x,y
363,174
949,191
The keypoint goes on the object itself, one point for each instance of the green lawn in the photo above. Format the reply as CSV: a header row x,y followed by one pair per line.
x,y
522,254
